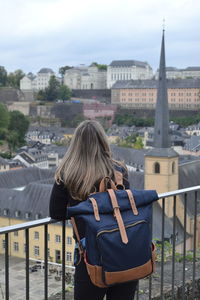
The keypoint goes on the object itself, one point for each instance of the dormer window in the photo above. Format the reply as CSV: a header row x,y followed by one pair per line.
x,y
5,212
17,213
37,216
27,215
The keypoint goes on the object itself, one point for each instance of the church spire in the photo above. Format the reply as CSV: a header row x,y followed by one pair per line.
x,y
161,128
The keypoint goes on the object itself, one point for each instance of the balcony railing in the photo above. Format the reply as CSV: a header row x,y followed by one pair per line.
x,y
172,196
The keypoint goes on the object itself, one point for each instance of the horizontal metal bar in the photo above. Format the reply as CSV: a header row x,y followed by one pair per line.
x,y
178,192
26,225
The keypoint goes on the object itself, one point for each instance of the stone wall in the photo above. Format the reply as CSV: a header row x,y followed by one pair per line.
x,y
150,113
11,95
93,94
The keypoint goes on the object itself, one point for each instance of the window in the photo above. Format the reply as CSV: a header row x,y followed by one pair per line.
x,y
36,235
69,256
173,167
5,212
16,246
3,244
58,238
15,233
27,215
36,250
69,240
17,213
157,168
37,216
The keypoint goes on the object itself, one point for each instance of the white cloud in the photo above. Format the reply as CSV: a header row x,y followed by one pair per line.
x,y
59,32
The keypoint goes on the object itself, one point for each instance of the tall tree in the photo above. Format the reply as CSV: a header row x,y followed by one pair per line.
x,y
3,76
14,78
53,89
4,116
19,124
64,92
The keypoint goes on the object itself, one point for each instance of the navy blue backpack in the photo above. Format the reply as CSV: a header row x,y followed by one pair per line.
x,y
118,243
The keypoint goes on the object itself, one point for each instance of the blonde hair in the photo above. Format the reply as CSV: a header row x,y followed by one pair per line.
x,y
87,160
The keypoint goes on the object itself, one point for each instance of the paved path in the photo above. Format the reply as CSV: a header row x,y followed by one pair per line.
x,y
17,281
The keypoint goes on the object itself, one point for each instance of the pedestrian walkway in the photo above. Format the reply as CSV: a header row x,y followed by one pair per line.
x,y
17,280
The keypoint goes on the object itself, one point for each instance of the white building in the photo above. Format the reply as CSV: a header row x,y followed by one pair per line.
x,y
43,77
84,77
28,82
127,70
174,73
35,83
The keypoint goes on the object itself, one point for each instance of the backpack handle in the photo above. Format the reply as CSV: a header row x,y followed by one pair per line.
x,y
132,202
118,216
103,186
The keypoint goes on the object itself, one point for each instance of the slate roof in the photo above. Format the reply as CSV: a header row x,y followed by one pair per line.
x,y
153,84
34,199
46,70
24,176
128,63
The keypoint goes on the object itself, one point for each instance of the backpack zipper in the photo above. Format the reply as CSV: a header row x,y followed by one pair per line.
x,y
117,229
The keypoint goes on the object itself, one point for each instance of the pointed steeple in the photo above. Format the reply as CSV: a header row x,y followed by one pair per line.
x,y
161,128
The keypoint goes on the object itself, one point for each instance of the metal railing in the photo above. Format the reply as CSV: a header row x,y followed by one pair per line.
x,y
45,222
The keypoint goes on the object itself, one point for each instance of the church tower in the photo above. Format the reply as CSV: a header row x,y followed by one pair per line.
x,y
161,162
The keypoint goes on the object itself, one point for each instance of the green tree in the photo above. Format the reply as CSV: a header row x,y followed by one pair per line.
x,y
13,141
41,95
63,69
52,90
4,116
3,76
100,66
138,143
14,78
64,92
18,124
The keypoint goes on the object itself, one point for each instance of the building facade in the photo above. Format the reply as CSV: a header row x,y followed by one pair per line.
x,y
35,83
84,78
174,73
182,94
126,70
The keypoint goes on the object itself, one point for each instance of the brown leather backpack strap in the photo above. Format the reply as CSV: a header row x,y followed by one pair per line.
x,y
81,251
118,177
118,216
95,208
104,182
132,202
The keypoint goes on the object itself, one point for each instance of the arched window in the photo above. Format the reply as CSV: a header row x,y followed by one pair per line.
x,y
157,168
173,167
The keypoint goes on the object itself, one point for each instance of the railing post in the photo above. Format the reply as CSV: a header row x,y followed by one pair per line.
x,y
45,261
27,263
184,244
194,246
163,248
7,266
63,259
173,246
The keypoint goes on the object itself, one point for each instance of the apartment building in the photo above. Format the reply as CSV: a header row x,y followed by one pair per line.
x,y
84,78
124,70
27,193
175,73
182,94
31,82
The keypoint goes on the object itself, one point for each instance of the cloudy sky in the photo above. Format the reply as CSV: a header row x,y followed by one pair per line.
x,y
55,33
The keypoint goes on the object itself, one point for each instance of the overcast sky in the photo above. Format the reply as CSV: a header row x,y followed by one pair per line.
x,y
55,33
